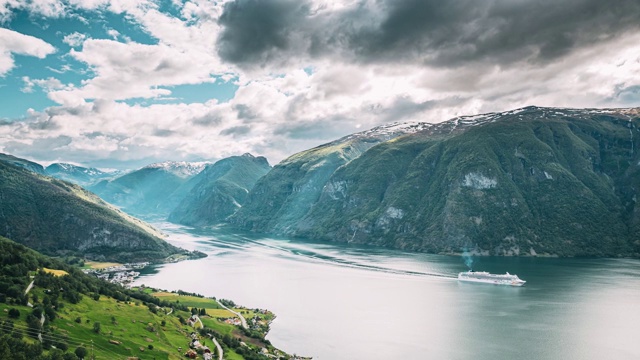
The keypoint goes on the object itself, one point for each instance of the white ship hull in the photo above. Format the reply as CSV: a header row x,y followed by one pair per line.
x,y
487,278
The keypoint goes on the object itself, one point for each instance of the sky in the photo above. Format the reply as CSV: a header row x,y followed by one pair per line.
x,y
124,83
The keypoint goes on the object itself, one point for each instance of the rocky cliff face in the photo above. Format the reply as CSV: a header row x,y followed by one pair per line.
x,y
525,182
57,217
219,190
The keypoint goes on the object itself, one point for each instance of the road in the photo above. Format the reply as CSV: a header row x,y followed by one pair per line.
x,y
41,325
29,304
242,319
218,347
29,287
212,338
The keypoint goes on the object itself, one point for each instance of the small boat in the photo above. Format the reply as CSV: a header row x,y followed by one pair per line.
x,y
488,278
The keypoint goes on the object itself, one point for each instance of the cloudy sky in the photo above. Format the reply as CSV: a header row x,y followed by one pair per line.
x,y
124,83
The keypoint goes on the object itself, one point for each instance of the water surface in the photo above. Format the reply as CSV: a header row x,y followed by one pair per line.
x,y
346,302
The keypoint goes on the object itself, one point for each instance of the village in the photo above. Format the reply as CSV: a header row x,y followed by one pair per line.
x,y
118,274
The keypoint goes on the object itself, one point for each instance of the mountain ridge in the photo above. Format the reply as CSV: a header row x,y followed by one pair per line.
x,y
448,187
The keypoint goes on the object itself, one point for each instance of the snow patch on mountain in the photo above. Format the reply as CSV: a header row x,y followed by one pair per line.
x,y
180,168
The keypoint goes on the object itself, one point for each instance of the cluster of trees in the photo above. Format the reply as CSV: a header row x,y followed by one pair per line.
x,y
196,311
228,303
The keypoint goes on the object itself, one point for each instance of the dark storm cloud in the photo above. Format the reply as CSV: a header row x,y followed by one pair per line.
x,y
435,32
254,28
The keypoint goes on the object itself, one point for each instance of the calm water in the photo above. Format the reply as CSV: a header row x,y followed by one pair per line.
x,y
341,302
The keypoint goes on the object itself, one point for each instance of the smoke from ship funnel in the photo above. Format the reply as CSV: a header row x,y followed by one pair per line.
x,y
468,259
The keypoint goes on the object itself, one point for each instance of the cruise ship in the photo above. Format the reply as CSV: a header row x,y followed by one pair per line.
x,y
485,277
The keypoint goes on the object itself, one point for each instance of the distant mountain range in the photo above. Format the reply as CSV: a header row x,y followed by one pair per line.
x,y
58,218
78,174
155,189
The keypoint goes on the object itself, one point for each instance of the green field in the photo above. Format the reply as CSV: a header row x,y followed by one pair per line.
x,y
190,301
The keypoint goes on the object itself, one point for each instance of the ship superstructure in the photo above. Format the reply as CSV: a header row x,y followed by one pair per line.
x,y
485,277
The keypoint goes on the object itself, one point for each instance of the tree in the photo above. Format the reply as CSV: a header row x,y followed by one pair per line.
x,y
80,352
14,313
96,327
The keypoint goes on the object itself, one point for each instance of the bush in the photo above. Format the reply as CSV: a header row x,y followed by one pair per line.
x,y
14,313
81,352
96,327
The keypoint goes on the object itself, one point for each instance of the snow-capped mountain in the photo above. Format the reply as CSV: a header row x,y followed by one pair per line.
x,y
183,169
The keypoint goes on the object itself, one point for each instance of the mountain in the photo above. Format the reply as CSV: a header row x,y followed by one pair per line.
x,y
533,181
29,165
153,190
220,189
286,193
56,217
77,174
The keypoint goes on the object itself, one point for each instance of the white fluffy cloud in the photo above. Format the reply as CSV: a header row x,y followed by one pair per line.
x,y
13,42
74,39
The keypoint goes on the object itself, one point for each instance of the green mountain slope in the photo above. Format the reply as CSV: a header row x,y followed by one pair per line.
x,y
286,193
533,181
56,217
220,190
